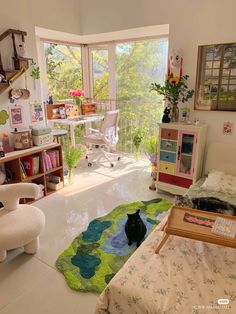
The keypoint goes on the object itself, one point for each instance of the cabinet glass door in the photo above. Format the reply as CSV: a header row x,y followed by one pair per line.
x,y
186,154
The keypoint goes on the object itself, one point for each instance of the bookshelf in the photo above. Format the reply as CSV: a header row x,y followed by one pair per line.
x,y
14,161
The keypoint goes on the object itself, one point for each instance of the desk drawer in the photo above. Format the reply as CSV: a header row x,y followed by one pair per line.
x,y
169,145
167,167
169,157
174,180
169,134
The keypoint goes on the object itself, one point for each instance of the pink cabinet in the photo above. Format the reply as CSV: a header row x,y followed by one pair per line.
x,y
180,156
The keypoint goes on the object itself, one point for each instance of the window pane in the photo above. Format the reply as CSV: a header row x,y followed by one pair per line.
x,y
64,69
100,74
138,64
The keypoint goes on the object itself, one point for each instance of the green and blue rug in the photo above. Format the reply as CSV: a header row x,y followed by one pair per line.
x,y
97,254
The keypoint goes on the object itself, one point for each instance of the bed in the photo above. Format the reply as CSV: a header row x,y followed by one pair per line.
x,y
186,277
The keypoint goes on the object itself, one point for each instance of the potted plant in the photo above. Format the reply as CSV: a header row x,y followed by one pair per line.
x,y
71,156
174,90
151,147
138,136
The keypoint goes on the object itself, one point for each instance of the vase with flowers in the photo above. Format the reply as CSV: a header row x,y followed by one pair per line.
x,y
78,95
174,90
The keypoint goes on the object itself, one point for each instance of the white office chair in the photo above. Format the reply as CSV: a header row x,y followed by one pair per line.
x,y
106,137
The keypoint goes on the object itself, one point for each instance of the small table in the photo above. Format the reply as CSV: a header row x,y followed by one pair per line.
x,y
175,225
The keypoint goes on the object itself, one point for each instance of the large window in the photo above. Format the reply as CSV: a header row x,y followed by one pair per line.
x,y
100,73
64,69
117,74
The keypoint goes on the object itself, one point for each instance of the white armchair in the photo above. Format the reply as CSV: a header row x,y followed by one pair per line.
x,y
20,224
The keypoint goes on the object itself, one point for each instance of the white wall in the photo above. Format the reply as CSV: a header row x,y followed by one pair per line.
x,y
192,23
25,15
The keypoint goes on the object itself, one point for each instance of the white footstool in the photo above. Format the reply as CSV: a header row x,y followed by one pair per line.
x,y
20,225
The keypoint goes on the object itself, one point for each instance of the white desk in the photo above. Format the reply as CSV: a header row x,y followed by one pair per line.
x,y
86,120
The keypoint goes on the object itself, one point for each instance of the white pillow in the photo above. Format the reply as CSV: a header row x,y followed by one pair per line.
x,y
213,180
220,182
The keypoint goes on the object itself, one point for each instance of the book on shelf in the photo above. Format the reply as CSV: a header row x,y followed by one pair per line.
x,y
31,165
51,159
22,171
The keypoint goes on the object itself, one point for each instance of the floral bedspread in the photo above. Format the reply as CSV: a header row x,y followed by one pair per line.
x,y
186,277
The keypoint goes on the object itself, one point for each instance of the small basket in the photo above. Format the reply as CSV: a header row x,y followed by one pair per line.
x,y
88,108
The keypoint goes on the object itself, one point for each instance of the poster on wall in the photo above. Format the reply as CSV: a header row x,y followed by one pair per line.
x,y
36,111
16,116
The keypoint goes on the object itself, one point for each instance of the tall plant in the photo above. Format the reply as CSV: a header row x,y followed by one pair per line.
x,y
72,155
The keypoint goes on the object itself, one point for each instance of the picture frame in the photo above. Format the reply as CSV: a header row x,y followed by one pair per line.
x,y
36,112
16,116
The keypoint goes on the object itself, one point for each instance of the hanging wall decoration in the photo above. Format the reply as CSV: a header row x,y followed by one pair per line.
x,y
4,116
36,111
16,116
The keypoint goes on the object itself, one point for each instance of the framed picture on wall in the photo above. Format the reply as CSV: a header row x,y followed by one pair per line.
x,y
36,112
16,116
216,77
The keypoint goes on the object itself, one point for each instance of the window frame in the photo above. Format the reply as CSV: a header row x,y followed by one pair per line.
x,y
214,104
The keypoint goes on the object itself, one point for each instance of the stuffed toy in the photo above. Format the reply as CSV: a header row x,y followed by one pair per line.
x,y
175,66
166,115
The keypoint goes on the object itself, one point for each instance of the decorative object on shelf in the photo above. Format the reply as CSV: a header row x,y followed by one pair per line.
x,y
6,143
4,116
78,95
88,108
175,89
36,110
50,99
42,136
166,115
72,155
22,139
3,78
185,114
13,62
138,136
228,128
2,153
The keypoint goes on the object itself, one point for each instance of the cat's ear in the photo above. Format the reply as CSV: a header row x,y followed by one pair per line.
x,y
138,211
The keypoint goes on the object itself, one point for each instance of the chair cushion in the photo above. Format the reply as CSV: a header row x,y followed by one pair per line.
x,y
95,139
20,226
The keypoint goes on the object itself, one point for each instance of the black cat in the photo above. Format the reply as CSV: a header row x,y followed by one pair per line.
x,y
215,205
135,228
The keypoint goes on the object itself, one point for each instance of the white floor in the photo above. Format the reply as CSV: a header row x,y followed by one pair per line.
x,y
31,284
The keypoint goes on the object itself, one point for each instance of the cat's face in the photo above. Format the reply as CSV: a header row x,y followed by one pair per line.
x,y
134,218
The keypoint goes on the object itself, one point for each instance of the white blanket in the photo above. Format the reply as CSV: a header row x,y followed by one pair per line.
x,y
187,277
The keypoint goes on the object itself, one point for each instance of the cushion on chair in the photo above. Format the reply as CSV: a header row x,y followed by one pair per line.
x,y
21,226
95,139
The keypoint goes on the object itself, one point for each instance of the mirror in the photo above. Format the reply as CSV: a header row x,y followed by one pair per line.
x,y
216,78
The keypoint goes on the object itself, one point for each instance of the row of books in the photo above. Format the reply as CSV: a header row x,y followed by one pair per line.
x,y
29,166
51,159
